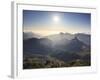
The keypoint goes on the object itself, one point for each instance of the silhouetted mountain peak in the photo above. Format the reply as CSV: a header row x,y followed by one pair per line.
x,y
61,33
28,35
75,39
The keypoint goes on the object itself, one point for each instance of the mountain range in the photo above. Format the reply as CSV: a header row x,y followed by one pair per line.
x,y
58,38
62,46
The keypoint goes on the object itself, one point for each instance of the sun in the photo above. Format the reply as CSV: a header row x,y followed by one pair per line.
x,y
56,18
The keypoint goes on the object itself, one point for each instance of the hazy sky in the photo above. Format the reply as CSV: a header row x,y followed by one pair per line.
x,y
50,22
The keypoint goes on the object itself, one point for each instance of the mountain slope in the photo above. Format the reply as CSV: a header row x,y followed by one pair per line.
x,y
85,38
76,45
28,35
37,46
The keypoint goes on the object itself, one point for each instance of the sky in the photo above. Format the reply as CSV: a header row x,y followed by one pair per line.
x,y
51,22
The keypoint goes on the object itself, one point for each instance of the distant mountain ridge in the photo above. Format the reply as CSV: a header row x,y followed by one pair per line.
x,y
60,38
28,35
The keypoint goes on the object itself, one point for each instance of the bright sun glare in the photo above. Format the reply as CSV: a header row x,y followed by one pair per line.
x,y
56,18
